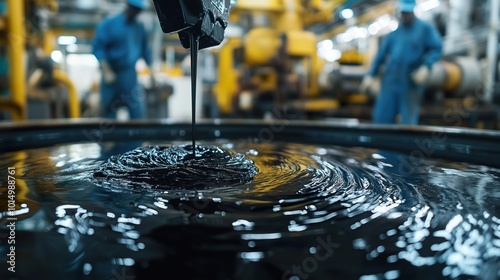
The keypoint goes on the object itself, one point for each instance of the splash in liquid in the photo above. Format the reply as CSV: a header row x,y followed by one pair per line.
x,y
175,167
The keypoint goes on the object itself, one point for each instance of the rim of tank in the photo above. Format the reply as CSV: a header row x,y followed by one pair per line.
x,y
458,144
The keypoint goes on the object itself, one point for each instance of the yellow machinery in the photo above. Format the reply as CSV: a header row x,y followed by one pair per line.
x,y
252,81
274,56
59,78
15,35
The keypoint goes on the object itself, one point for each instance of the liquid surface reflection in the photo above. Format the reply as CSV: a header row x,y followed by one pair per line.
x,y
308,213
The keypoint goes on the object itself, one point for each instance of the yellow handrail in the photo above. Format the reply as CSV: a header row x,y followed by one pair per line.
x,y
74,103
60,78
7,104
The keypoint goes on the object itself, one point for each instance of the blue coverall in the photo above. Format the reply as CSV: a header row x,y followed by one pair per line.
x,y
122,44
402,52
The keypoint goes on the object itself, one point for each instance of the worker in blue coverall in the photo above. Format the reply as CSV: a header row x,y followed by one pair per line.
x,y
120,41
407,55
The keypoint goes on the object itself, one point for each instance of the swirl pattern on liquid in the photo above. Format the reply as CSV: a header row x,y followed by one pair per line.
x,y
175,167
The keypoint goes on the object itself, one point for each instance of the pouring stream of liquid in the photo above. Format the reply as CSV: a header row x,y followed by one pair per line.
x,y
194,42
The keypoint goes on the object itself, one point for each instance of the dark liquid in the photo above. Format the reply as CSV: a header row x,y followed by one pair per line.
x,y
175,167
194,42
323,212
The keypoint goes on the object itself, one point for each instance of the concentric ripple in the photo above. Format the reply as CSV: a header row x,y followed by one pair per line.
x,y
265,211
175,167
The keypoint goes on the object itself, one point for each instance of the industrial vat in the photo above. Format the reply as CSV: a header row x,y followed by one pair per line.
x,y
330,201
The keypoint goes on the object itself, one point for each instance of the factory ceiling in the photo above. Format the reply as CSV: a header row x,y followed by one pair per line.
x,y
76,14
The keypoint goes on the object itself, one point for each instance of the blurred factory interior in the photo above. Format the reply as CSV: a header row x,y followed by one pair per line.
x,y
312,73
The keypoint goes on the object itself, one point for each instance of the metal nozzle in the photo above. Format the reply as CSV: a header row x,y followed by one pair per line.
x,y
206,18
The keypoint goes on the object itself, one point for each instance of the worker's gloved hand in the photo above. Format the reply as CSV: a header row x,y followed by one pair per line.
x,y
108,75
366,83
421,75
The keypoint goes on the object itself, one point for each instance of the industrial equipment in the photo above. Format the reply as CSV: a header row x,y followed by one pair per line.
x,y
275,65
23,30
55,89
459,91
15,44
327,199
200,24
207,18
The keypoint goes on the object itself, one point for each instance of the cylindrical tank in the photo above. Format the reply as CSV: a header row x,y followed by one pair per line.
x,y
459,75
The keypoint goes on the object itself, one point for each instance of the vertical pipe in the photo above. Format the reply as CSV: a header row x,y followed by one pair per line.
x,y
73,100
48,42
458,24
16,48
291,18
492,50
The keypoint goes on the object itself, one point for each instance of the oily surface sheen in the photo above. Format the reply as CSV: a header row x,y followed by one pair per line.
x,y
249,210
175,167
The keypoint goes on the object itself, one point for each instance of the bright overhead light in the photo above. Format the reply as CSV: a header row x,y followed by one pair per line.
x,y
352,33
325,45
332,55
347,13
380,24
327,52
56,56
72,48
428,5
358,32
66,40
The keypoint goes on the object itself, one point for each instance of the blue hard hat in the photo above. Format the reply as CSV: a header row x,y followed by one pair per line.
x,y
407,5
141,4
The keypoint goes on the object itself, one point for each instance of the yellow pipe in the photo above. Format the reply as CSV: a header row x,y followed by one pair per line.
x,y
291,16
453,76
258,5
16,49
49,41
316,105
50,4
74,103
227,85
7,104
320,11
